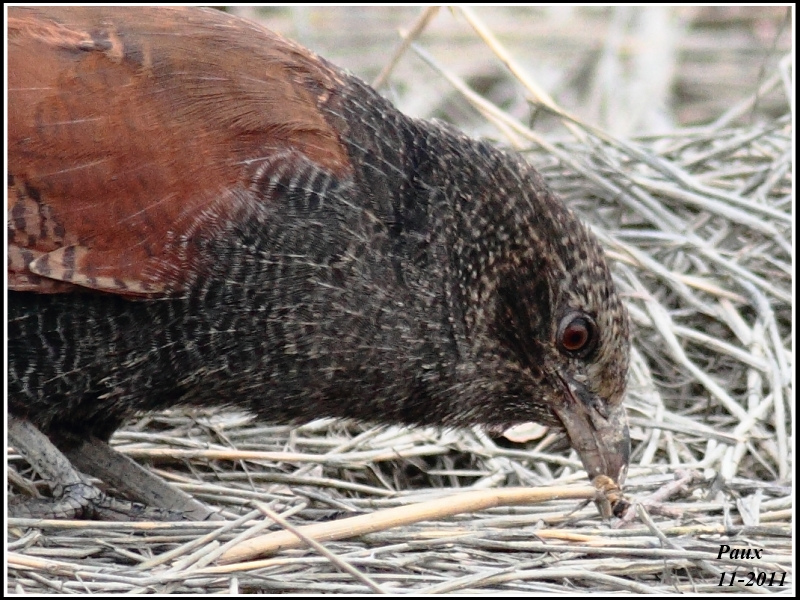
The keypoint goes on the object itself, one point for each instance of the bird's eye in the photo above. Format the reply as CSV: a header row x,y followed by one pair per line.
x,y
577,335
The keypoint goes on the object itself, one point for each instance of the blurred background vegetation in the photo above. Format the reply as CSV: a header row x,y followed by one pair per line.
x,y
627,70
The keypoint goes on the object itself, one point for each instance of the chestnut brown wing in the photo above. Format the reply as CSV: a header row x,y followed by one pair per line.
x,y
134,131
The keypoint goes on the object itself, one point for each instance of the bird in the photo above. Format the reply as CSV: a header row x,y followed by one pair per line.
x,y
203,213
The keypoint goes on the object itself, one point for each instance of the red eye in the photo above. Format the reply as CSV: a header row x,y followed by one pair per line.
x,y
577,334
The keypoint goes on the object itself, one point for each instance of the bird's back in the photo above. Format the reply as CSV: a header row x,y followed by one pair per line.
x,y
121,146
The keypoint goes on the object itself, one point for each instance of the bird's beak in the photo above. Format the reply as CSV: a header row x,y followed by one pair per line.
x,y
598,433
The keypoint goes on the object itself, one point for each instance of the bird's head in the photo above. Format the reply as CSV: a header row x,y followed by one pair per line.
x,y
547,332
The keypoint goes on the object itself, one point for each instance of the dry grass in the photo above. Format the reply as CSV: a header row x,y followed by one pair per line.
x,y
670,132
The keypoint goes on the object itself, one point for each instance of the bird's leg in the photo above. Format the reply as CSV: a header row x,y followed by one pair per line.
x,y
101,460
74,495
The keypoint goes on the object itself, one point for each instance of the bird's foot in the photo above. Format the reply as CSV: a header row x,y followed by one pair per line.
x,y
85,501
74,497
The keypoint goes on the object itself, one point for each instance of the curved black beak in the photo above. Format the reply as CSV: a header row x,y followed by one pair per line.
x,y
598,433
